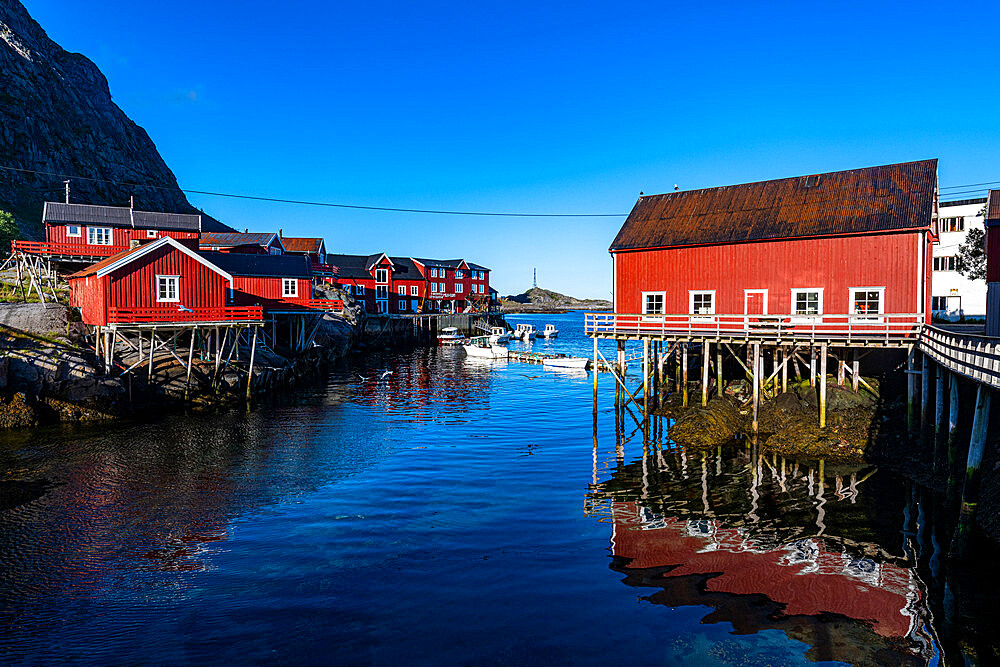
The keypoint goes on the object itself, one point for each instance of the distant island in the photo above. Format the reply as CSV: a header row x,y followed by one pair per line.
x,y
538,300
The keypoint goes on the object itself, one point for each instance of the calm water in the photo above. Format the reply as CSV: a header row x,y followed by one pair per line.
x,y
460,512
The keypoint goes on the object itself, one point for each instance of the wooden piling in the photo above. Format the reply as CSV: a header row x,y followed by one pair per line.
x,y
684,372
840,371
822,385
705,352
784,370
755,379
970,492
938,415
253,351
812,366
911,390
719,384
855,371
645,375
596,373
952,434
925,395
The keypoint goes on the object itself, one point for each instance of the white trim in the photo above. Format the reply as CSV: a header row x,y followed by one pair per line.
x,y
921,274
151,233
379,261
98,228
144,250
387,274
79,231
284,287
614,282
804,317
414,290
866,318
643,304
177,288
746,299
692,292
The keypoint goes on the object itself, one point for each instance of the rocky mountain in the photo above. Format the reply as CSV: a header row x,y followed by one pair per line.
x,y
540,300
57,116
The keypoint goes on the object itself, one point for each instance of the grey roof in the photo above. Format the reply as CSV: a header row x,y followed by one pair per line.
x,y
233,239
264,266
356,266
57,213
450,264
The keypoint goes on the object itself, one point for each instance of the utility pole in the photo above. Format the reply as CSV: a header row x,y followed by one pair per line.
x,y
534,273
67,190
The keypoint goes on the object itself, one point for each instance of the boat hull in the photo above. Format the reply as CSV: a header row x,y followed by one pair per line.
x,y
490,352
579,363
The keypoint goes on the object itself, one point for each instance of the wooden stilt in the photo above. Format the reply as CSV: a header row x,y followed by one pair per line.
x,y
855,371
938,416
970,492
840,371
822,386
784,370
152,347
812,366
684,373
596,373
253,351
705,353
911,391
677,367
756,365
645,376
190,360
952,434
720,387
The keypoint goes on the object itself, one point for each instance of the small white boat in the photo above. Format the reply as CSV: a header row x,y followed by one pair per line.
x,y
579,363
549,331
480,346
450,336
525,332
499,335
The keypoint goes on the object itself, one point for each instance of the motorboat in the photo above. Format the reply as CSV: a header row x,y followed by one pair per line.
x,y
579,363
525,332
549,331
480,346
450,336
499,335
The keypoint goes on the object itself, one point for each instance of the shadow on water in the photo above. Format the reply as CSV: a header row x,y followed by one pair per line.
x,y
848,559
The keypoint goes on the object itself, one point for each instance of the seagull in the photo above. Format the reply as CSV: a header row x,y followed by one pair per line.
x,y
385,375
530,377
363,378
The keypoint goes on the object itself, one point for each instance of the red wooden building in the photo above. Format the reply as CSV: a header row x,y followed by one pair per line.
x,y
162,277
250,243
315,250
993,264
406,285
850,242
88,231
274,282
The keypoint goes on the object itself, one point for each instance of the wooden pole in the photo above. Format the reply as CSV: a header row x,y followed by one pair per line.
x,y
187,379
152,346
911,390
595,371
952,434
855,371
677,366
645,376
253,350
784,371
840,371
822,385
719,386
925,395
706,349
970,493
812,366
684,371
756,385
938,415
661,363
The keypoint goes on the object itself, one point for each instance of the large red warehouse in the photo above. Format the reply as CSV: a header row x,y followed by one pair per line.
x,y
847,242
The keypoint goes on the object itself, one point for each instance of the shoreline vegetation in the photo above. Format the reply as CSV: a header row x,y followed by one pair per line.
x,y
543,301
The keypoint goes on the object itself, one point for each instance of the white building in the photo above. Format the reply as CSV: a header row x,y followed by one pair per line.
x,y
953,295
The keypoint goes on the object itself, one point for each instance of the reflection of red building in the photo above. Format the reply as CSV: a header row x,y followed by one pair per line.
x,y
806,577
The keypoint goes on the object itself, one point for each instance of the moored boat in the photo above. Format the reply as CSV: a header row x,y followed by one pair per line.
x,y
579,363
549,331
450,336
525,332
499,335
480,346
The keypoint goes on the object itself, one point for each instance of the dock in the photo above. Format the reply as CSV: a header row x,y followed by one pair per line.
x,y
540,357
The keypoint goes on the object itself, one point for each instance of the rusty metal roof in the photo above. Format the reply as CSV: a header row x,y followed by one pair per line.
x,y
873,199
302,244
234,239
993,207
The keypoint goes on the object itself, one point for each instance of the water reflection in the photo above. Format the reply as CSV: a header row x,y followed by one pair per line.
x,y
771,544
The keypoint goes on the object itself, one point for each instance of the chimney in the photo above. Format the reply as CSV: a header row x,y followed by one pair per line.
x,y
280,234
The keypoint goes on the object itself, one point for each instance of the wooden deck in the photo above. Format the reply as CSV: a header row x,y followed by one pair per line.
x,y
974,357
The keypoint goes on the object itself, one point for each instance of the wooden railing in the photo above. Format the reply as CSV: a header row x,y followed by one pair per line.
x,y
332,305
171,314
325,270
975,357
76,249
880,327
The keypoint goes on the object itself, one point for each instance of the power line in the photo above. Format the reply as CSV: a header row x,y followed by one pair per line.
x,y
320,203
968,185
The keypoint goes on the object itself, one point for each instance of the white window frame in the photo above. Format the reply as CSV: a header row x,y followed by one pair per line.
x,y
691,295
653,316
434,273
151,234
746,300
177,288
414,290
293,283
802,317
856,317
458,288
70,228
401,290
98,232
382,275
459,274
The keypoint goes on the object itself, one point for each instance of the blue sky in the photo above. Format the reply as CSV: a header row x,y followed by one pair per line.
x,y
533,107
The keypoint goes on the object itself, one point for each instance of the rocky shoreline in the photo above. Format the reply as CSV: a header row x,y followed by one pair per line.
x,y
48,375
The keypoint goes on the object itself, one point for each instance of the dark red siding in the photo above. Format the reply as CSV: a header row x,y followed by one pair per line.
x,y
266,291
120,236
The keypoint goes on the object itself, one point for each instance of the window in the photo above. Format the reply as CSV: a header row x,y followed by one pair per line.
x,y
807,301
653,302
150,233
945,264
99,235
381,291
72,230
273,251
866,300
482,289
402,304
434,273
459,274
939,303
381,275
402,290
956,224
289,287
167,288
382,306
702,303
359,290
458,288
414,290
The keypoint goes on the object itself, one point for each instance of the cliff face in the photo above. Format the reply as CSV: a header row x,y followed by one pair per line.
x,y
56,115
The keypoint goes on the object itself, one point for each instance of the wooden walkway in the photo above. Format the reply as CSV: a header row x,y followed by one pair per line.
x,y
540,357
